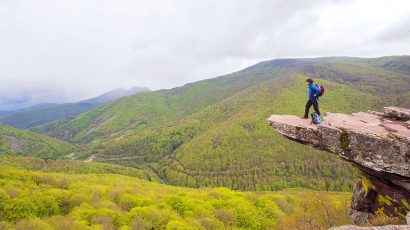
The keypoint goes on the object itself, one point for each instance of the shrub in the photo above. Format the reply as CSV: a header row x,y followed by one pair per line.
x,y
46,205
246,215
128,201
19,209
211,223
139,224
227,217
102,216
178,225
177,203
62,198
149,216
33,224
61,222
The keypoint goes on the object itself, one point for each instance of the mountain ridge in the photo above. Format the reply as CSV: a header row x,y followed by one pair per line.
x,y
48,112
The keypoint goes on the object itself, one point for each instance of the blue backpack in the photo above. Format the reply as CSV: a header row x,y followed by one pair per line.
x,y
316,118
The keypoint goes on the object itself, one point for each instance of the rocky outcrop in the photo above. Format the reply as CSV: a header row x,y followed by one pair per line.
x,y
377,144
388,227
397,113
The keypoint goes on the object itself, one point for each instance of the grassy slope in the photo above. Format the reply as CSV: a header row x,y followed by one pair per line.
x,y
23,143
47,200
214,132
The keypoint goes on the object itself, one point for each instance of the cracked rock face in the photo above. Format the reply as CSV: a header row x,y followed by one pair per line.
x,y
378,145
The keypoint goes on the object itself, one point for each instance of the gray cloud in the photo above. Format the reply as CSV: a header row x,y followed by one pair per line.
x,y
17,95
396,32
20,99
74,49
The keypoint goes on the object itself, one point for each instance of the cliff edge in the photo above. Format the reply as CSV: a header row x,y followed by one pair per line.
x,y
378,146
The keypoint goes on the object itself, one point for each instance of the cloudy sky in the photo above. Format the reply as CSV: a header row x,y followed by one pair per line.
x,y
67,50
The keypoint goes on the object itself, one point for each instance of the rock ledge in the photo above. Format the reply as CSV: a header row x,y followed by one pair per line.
x,y
377,144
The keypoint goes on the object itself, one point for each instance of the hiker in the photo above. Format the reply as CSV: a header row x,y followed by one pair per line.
x,y
313,98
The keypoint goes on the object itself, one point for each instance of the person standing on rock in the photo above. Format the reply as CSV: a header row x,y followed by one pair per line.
x,y
313,98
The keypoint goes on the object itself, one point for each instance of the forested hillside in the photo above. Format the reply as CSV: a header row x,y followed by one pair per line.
x,y
214,133
73,167
50,200
17,142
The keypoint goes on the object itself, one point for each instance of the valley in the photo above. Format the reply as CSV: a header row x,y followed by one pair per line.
x,y
213,132
197,156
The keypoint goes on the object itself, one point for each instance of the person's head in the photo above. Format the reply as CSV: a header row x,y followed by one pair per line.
x,y
309,81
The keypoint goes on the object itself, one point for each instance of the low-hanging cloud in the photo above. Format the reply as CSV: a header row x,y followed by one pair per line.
x,y
74,49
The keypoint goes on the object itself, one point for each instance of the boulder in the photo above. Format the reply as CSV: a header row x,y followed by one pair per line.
x,y
397,113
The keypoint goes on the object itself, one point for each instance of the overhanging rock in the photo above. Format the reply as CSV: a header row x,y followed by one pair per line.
x,y
378,144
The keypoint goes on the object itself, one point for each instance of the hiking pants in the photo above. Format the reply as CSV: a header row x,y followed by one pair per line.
x,y
312,101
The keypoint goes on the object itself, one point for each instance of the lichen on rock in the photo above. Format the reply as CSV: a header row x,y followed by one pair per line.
x,y
344,141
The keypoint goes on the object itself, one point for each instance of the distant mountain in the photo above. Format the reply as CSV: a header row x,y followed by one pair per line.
x,y
114,94
44,113
4,113
214,132
31,108
39,106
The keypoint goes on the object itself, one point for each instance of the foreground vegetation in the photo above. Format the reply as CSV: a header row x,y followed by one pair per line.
x,y
49,200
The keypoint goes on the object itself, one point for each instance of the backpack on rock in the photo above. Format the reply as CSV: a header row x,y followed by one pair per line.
x,y
316,119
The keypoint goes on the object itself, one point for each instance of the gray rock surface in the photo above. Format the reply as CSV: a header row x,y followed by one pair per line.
x,y
375,142
397,113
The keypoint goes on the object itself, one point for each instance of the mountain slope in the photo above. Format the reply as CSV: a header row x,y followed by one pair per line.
x,y
23,143
396,63
41,114
214,133
155,109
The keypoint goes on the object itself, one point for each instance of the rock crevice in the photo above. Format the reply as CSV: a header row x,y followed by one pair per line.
x,y
377,144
